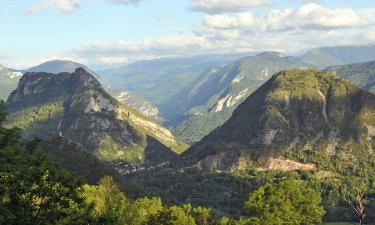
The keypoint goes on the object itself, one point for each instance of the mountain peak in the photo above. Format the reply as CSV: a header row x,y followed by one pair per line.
x,y
75,106
294,113
59,66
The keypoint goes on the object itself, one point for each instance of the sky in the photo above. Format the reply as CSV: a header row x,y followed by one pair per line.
x,y
109,33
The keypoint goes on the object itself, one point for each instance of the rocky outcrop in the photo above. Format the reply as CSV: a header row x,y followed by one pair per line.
x,y
287,165
226,161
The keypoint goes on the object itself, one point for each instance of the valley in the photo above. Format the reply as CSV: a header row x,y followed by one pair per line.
x,y
256,120
189,112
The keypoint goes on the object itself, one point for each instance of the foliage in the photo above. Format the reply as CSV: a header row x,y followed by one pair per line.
x,y
112,207
141,209
33,190
109,202
286,203
172,216
362,74
353,191
37,120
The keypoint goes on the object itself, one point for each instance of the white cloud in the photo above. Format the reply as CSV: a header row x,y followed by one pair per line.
x,y
314,16
164,46
220,6
104,55
228,22
126,2
286,30
308,17
62,6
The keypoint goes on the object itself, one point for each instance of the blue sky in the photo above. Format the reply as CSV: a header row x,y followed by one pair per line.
x,y
107,33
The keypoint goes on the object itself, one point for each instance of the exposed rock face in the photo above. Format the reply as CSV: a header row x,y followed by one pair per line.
x,y
85,113
226,161
297,115
139,104
287,165
8,81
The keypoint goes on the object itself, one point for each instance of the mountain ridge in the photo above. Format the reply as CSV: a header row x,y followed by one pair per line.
x,y
323,57
318,114
75,106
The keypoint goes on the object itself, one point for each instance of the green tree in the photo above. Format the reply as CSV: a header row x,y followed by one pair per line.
x,y
109,202
173,215
202,216
287,203
353,192
33,189
139,211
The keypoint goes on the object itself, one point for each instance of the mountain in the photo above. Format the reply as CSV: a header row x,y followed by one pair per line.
x,y
140,104
362,74
58,66
161,81
339,55
218,91
298,119
76,107
8,81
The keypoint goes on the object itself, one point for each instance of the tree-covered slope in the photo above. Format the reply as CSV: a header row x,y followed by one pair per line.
x,y
299,119
75,106
339,55
362,74
219,91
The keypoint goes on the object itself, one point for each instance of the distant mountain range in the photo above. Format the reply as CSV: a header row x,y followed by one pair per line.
x,y
218,91
194,95
338,55
76,107
164,81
